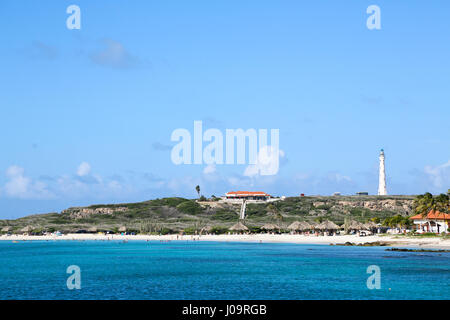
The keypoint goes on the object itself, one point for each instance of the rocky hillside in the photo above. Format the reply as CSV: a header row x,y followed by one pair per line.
x,y
175,214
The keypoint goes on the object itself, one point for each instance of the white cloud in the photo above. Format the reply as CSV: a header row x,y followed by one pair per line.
x,y
439,175
23,187
86,184
113,55
209,169
267,163
18,184
83,184
301,176
84,169
339,177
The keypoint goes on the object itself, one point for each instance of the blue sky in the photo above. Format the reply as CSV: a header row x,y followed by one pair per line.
x,y
86,115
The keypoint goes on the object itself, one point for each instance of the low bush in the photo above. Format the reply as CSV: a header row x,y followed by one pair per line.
x,y
189,207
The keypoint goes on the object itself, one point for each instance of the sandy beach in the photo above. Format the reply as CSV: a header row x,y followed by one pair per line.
x,y
392,240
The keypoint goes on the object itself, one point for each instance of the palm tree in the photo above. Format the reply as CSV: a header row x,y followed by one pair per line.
x,y
442,203
424,204
197,188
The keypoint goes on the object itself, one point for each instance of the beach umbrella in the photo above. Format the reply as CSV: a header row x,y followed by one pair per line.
x,y
206,229
123,229
239,227
26,229
303,226
370,225
92,229
297,225
327,225
306,226
355,225
313,225
270,226
6,229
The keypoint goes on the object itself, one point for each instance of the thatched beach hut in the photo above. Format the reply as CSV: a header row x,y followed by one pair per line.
x,y
239,227
327,226
313,224
92,229
122,229
306,226
270,227
206,230
300,226
370,225
295,226
355,226
6,229
26,229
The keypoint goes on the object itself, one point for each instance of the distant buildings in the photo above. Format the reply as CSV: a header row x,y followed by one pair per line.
x,y
247,195
434,221
382,189
241,197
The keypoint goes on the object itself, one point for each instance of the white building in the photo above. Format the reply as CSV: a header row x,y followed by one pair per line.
x,y
248,196
434,221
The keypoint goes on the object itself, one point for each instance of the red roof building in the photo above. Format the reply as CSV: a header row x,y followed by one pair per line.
x,y
248,195
435,215
434,221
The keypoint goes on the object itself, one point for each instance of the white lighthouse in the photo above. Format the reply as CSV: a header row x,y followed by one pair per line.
x,y
382,177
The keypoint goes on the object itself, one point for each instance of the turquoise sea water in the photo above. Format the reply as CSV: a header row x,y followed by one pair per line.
x,y
213,270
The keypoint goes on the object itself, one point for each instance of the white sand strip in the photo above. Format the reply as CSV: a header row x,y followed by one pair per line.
x,y
400,241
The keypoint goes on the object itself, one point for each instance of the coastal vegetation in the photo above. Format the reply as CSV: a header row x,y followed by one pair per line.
x,y
426,202
191,216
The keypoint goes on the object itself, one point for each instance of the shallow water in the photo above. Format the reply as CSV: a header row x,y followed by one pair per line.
x,y
216,270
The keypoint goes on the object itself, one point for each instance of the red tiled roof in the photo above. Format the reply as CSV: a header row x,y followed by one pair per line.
x,y
433,215
248,193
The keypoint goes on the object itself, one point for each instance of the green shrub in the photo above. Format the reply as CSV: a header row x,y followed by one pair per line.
x,y
171,202
190,231
427,234
224,215
165,231
397,220
219,230
254,210
254,229
189,207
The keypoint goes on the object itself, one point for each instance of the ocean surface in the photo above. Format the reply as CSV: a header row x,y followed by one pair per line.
x,y
216,270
